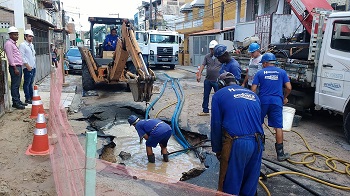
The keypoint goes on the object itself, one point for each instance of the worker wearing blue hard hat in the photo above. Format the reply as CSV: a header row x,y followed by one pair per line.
x,y
254,64
271,80
229,64
236,136
155,132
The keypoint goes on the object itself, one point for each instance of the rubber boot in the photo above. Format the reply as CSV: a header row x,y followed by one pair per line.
x,y
281,156
151,158
165,157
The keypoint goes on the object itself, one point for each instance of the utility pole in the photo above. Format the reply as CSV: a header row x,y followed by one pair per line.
x,y
19,19
150,14
222,16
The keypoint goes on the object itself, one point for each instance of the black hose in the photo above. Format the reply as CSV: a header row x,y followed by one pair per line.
x,y
293,180
190,148
202,141
299,171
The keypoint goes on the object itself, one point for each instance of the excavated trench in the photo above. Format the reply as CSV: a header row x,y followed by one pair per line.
x,y
119,143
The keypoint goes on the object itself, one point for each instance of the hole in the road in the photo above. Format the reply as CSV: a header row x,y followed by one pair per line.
x,y
120,142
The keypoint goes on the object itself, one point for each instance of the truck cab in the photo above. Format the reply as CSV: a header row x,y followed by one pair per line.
x,y
159,48
333,70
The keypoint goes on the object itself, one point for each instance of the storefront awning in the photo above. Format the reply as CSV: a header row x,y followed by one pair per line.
x,y
198,3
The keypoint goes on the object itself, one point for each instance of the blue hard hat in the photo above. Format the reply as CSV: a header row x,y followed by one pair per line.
x,y
267,57
219,50
132,119
253,47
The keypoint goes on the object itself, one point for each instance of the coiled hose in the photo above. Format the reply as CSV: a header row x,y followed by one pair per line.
x,y
157,99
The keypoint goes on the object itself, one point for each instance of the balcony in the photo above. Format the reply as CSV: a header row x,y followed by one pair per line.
x,y
31,9
48,4
189,24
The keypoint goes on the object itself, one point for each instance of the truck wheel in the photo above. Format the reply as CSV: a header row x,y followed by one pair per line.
x,y
346,125
87,81
172,66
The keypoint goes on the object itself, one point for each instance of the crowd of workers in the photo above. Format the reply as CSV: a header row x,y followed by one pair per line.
x,y
238,110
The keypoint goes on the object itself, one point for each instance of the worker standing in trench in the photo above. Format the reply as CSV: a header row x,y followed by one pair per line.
x,y
236,136
155,132
213,67
271,80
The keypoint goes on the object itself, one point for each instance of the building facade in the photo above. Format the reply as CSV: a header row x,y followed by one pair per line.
x,y
164,13
41,17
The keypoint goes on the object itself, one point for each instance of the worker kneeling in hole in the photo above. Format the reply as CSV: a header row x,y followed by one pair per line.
x,y
236,136
155,132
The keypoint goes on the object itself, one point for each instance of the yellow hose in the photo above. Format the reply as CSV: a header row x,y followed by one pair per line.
x,y
265,188
169,105
310,177
330,162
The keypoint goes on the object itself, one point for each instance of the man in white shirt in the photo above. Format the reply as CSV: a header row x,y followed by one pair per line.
x,y
254,64
29,66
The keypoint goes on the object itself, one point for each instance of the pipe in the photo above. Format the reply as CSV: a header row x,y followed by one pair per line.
x,y
155,101
293,180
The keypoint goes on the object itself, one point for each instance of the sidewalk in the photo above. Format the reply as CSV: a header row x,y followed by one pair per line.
x,y
68,92
190,68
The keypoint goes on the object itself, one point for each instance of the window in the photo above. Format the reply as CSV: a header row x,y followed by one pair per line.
x,y
41,41
169,39
229,35
341,36
201,13
189,16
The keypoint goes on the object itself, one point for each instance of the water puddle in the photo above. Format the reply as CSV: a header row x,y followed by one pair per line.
x,y
127,140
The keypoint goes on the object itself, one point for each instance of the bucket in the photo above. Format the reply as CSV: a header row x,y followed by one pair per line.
x,y
288,116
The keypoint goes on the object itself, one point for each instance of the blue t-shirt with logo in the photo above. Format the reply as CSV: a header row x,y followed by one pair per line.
x,y
237,110
232,67
271,80
146,127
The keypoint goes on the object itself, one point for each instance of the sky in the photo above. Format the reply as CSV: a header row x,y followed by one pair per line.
x,y
102,8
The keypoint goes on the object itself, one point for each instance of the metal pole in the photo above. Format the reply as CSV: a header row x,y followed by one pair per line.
x,y
150,14
222,16
19,19
90,163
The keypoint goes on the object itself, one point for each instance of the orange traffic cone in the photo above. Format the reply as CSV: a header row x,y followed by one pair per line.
x,y
37,104
40,145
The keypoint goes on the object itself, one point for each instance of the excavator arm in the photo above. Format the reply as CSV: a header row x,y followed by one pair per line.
x,y
141,82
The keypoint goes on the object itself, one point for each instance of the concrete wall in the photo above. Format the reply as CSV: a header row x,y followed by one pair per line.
x,y
244,30
227,24
43,67
284,24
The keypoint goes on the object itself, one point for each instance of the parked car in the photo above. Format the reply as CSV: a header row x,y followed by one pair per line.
x,y
73,57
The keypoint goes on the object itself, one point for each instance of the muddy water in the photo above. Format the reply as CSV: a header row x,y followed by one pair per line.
x,y
127,140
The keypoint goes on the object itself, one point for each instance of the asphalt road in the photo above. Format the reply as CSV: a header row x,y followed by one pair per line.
x,y
322,131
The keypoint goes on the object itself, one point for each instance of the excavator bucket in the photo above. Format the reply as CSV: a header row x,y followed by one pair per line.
x,y
141,86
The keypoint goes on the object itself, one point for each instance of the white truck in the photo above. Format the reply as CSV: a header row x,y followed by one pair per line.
x,y
159,48
323,80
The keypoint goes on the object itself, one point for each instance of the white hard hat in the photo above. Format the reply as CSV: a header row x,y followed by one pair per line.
x,y
213,43
12,29
29,32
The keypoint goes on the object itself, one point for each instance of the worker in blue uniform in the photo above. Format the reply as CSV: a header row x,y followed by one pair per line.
x,y
111,41
229,64
236,136
155,132
271,80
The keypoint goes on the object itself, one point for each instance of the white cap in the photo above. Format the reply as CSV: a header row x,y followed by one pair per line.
x,y
29,32
213,43
12,29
